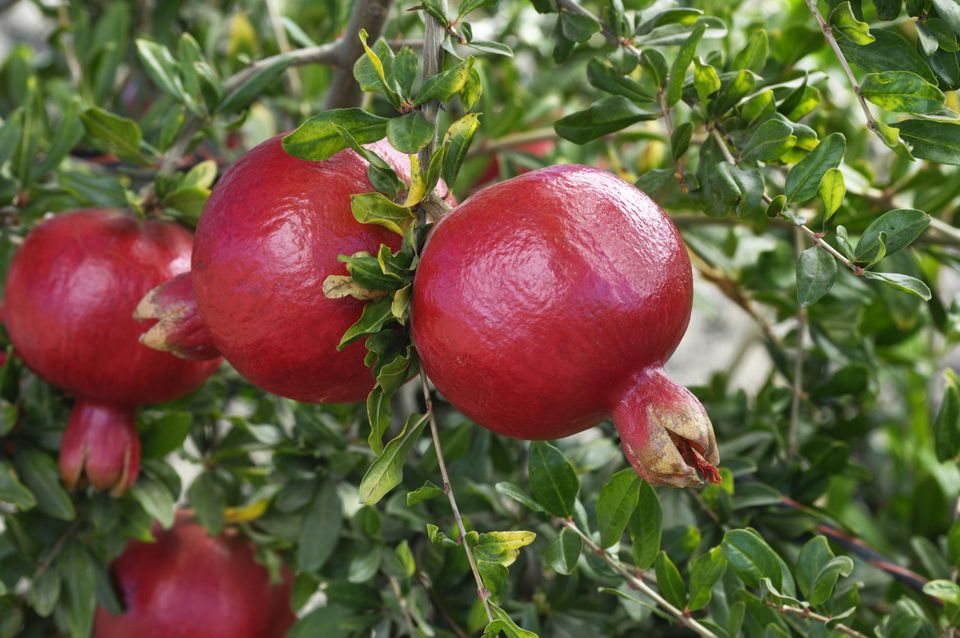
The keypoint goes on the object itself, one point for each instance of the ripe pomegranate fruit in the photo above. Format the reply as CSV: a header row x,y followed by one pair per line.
x,y
190,585
550,301
269,235
70,294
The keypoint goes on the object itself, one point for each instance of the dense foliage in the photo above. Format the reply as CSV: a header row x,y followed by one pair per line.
x,y
806,151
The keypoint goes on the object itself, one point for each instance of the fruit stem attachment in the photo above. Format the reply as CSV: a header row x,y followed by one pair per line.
x,y
100,444
482,592
666,433
636,581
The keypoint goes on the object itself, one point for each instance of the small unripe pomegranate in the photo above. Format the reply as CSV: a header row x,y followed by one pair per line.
x,y
70,295
549,302
269,235
188,584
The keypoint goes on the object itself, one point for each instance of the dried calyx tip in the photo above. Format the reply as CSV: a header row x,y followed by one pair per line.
x,y
666,433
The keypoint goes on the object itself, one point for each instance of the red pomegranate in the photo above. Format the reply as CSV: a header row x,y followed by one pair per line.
x,y
538,148
550,301
269,235
190,585
70,295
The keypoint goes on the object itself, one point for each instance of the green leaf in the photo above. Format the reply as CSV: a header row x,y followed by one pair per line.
x,y
39,473
318,138
12,491
816,274
253,85
163,69
499,547
932,140
563,552
669,581
949,10
552,479
45,592
769,141
457,141
605,77
320,531
208,502
890,52
656,65
680,140
901,227
945,590
946,427
423,493
903,283
386,471
705,570
510,490
753,57
953,543
681,63
371,69
606,116
114,134
832,190
78,571
166,434
578,27
705,80
843,20
616,504
902,91
374,316
803,180
376,208
446,84
487,46
750,557
646,527
65,136
502,623
156,500
409,133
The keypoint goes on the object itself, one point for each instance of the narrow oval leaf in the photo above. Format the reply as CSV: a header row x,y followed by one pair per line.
x,y
616,504
832,191
386,471
553,481
900,228
902,91
816,274
803,181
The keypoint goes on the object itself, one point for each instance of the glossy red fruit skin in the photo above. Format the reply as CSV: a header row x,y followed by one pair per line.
x,y
269,235
70,294
190,585
543,303
69,301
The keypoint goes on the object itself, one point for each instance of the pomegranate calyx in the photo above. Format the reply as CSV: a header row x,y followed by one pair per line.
x,y
179,329
666,433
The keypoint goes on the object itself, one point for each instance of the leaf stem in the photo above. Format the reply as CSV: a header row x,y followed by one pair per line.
x,y
810,615
482,592
668,123
637,582
832,41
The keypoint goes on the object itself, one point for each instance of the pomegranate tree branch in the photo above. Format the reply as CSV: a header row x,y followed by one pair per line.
x,y
635,581
367,14
810,615
283,43
432,57
832,41
448,490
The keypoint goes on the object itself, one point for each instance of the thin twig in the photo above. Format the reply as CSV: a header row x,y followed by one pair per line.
x,y
793,445
51,556
513,140
432,56
810,615
371,16
404,607
482,592
636,582
322,54
832,41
